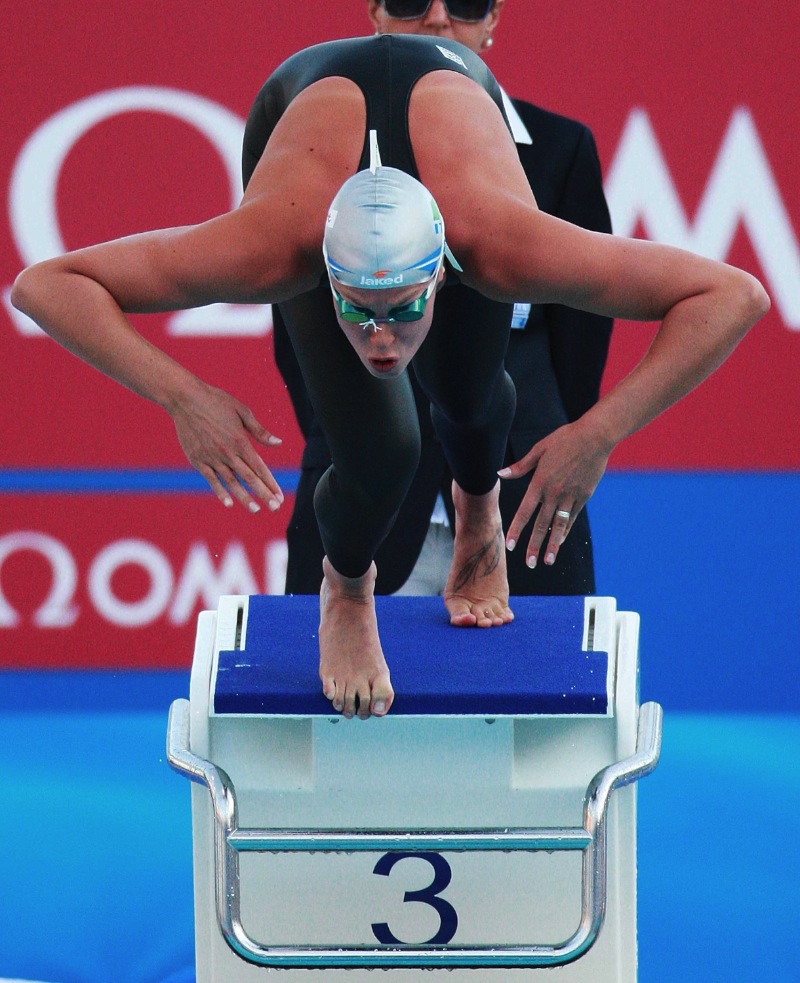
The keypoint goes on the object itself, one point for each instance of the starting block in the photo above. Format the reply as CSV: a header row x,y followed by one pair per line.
x,y
471,829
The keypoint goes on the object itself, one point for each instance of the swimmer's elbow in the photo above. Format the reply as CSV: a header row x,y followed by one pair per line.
x,y
759,298
22,290
39,290
752,299
743,300
29,287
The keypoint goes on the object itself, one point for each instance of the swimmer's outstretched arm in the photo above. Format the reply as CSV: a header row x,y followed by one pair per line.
x,y
81,299
705,309
266,250
512,251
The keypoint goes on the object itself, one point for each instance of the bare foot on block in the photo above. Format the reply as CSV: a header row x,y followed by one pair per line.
x,y
354,674
477,587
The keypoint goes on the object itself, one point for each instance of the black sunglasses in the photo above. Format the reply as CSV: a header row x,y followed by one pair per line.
x,y
468,11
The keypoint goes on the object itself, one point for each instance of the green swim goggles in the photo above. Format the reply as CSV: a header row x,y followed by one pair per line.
x,y
414,310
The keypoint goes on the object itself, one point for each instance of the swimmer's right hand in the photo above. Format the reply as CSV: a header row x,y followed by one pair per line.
x,y
216,432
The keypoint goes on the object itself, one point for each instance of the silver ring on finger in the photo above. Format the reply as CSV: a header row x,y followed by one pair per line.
x,y
563,514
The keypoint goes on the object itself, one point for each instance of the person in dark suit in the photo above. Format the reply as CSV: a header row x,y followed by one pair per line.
x,y
556,357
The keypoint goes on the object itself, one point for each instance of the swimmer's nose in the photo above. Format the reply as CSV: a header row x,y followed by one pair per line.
x,y
383,338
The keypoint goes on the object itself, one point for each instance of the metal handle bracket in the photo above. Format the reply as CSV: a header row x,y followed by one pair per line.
x,y
590,839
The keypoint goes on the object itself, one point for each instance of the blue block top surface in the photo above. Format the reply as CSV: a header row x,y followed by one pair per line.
x,y
535,665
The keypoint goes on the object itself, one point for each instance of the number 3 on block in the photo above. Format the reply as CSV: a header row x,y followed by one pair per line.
x,y
448,917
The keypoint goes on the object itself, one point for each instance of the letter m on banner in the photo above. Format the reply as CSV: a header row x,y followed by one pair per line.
x,y
741,188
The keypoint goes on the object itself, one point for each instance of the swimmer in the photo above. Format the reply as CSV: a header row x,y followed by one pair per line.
x,y
555,356
447,157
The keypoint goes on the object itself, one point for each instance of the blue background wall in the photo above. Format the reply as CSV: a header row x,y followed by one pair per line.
x,y
710,561
95,841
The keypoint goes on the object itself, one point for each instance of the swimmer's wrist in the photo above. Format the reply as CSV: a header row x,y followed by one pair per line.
x,y
599,430
181,393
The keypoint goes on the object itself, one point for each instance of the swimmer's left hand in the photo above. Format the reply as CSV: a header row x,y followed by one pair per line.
x,y
567,466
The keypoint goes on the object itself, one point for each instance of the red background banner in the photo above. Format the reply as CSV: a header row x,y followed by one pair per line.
x,y
123,116
689,67
103,581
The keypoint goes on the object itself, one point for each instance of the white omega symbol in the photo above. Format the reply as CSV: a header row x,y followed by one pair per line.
x,y
58,609
33,209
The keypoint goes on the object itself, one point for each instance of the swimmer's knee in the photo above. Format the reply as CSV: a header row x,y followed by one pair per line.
x,y
391,474
380,479
467,409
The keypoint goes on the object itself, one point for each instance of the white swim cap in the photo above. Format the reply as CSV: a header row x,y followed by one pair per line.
x,y
384,230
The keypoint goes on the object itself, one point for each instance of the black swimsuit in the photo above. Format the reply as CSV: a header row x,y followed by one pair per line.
x,y
385,68
371,424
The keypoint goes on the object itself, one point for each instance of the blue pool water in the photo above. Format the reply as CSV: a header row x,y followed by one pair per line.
x,y
95,848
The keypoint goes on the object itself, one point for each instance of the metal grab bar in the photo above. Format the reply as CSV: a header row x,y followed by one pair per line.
x,y
384,841
591,839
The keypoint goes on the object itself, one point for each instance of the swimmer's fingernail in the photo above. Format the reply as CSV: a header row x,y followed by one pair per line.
x,y
227,502
379,706
550,559
254,507
510,544
504,473
531,561
274,441
274,505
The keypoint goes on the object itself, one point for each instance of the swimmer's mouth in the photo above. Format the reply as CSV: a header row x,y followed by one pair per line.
x,y
383,364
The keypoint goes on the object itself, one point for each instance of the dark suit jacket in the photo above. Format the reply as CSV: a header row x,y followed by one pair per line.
x,y
556,363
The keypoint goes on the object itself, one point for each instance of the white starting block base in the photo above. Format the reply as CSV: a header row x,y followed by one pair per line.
x,y
319,772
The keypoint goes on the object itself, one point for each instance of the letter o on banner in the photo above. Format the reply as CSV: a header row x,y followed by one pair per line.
x,y
130,614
